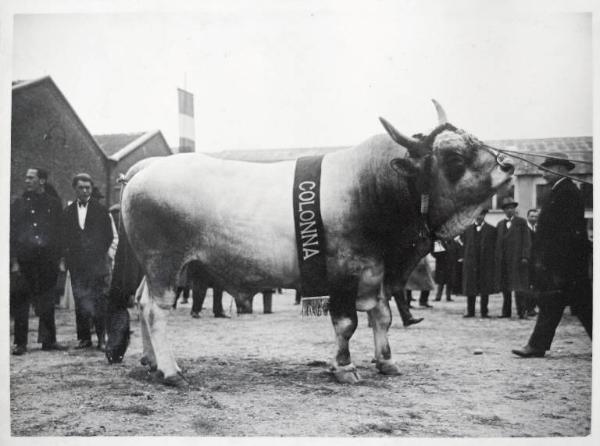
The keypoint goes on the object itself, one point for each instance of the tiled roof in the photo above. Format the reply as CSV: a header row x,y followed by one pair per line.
x,y
112,143
577,148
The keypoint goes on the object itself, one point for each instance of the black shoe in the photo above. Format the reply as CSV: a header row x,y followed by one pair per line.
x,y
437,299
85,343
53,346
504,316
222,315
425,305
412,321
485,316
529,352
19,350
195,314
468,315
532,313
523,316
449,300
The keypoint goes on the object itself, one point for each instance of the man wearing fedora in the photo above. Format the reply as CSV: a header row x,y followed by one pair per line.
x,y
513,248
561,250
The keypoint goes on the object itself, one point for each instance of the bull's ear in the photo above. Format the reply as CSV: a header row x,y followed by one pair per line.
x,y
411,144
405,167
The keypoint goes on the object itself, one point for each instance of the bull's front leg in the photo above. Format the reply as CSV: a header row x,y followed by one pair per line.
x,y
342,309
380,317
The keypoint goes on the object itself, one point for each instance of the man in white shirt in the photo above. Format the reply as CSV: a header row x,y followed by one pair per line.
x,y
87,235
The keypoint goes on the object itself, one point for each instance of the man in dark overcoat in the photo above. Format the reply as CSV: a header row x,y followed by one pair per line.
x,y
34,256
513,249
478,264
87,235
561,254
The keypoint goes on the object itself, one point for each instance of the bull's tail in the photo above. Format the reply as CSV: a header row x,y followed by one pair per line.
x,y
126,276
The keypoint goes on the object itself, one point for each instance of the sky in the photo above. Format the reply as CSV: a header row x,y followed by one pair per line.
x,y
317,76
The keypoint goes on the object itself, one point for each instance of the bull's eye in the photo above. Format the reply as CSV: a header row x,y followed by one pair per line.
x,y
454,166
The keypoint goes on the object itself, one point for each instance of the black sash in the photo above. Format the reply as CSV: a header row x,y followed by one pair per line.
x,y
310,234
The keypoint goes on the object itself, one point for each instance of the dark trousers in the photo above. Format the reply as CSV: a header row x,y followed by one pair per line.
x,y
520,299
483,305
267,303
552,305
34,285
199,294
530,301
440,288
401,300
89,293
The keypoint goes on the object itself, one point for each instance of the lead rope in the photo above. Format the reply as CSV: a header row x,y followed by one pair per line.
x,y
512,153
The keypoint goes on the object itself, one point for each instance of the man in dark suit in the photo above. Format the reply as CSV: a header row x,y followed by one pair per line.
x,y
513,249
561,253
34,256
478,264
87,235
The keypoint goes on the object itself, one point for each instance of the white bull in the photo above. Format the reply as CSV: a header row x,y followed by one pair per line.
x,y
236,219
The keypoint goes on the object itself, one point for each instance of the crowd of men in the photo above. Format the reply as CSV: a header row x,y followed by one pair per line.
x,y
541,260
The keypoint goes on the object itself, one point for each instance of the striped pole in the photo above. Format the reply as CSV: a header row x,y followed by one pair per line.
x,y
187,139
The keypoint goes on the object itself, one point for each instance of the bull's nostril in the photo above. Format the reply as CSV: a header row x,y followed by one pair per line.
x,y
507,167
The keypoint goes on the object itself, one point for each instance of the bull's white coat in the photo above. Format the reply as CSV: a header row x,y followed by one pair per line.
x,y
236,218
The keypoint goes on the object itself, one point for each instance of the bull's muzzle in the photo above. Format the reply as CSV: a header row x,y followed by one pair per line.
x,y
506,163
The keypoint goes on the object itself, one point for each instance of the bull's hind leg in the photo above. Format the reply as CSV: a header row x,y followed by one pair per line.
x,y
381,318
155,312
143,298
343,315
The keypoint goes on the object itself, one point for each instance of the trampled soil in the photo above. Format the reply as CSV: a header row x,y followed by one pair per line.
x,y
267,375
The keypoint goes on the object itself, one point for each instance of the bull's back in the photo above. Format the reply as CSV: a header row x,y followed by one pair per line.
x,y
235,217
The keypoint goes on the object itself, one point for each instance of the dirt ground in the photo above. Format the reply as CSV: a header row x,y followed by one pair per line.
x,y
267,375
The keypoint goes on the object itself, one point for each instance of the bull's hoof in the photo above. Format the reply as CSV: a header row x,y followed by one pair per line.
x,y
145,361
346,374
388,368
177,380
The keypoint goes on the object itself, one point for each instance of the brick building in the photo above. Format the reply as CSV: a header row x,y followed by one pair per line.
x,y
47,133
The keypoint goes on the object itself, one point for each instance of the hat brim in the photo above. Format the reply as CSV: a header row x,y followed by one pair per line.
x,y
558,162
514,204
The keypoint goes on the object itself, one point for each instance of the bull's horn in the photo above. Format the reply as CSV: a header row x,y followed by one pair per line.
x,y
411,144
441,113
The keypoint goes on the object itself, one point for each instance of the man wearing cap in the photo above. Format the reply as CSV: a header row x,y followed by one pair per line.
x,y
513,248
87,235
561,249
34,255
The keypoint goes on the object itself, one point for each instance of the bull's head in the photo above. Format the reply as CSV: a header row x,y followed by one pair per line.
x,y
458,172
